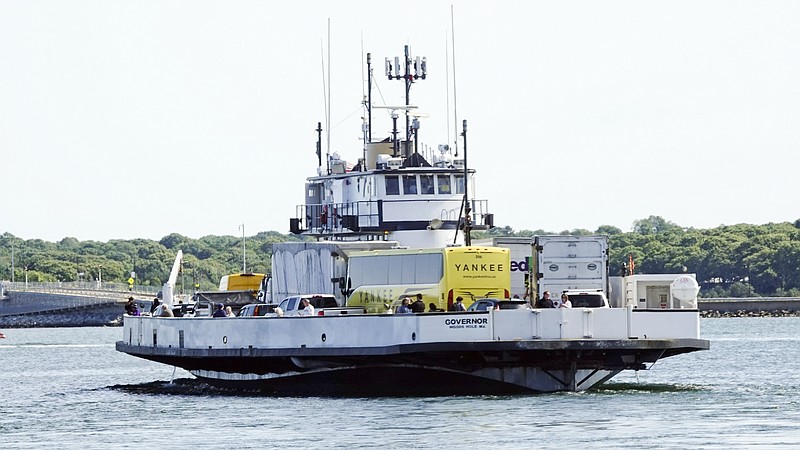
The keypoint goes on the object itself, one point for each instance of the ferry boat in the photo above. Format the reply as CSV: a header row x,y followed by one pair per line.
x,y
394,196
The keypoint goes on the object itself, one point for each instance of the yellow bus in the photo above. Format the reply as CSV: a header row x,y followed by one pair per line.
x,y
378,280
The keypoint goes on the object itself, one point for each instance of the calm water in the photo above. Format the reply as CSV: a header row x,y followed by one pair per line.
x,y
69,388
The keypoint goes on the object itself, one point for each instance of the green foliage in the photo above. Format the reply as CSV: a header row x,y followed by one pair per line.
x,y
206,259
609,230
737,260
653,225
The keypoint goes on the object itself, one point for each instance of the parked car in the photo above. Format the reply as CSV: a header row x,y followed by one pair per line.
x,y
257,309
485,304
324,305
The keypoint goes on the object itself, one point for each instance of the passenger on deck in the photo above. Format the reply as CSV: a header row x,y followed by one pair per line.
x,y
229,312
154,306
565,303
418,306
130,306
432,307
545,301
404,307
308,309
179,310
220,312
459,304
166,311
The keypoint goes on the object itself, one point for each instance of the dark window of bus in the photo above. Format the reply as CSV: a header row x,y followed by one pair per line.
x,y
423,268
426,184
392,185
443,183
370,270
458,184
428,268
409,184
406,267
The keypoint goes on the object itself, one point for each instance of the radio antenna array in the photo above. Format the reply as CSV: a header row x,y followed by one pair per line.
x,y
409,71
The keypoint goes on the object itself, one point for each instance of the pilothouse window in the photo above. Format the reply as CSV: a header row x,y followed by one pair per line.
x,y
426,184
409,184
392,185
443,183
458,184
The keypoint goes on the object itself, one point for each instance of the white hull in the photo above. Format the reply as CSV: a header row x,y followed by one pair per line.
x,y
497,351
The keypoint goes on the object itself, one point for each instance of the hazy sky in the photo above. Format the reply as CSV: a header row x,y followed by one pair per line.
x,y
126,119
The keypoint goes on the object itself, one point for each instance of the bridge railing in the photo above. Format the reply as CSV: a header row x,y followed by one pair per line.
x,y
92,288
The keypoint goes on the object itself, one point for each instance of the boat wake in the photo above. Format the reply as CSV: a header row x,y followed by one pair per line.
x,y
617,388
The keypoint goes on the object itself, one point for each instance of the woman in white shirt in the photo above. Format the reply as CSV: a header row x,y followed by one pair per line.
x,y
309,308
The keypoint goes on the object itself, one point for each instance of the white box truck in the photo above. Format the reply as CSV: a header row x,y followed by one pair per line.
x,y
556,263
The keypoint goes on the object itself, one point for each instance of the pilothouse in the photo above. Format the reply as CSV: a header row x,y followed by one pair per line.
x,y
394,191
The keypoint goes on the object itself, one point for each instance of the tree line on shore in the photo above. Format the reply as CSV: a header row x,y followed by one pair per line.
x,y
730,260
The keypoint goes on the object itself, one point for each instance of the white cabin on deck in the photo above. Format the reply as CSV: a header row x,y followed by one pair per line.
x,y
416,205
398,189
655,291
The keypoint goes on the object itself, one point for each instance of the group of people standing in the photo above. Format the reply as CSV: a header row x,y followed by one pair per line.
x,y
547,302
131,308
417,306
157,308
223,311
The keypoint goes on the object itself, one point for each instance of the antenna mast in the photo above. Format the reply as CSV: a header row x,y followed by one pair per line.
x,y
327,115
467,208
419,69
319,143
369,97
455,96
447,82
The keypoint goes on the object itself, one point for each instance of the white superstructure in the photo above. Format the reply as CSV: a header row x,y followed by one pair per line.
x,y
394,189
